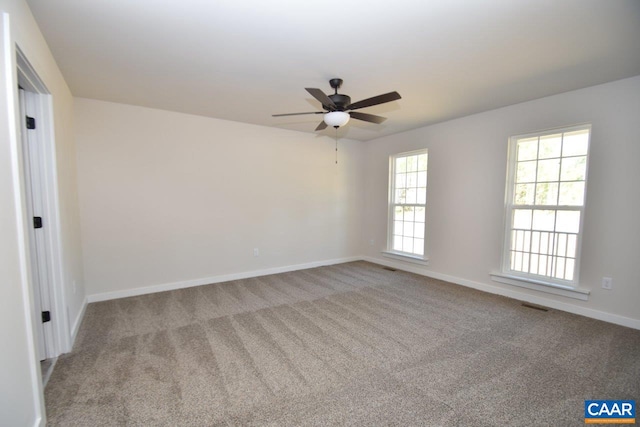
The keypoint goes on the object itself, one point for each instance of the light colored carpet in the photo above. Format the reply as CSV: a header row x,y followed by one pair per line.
x,y
349,344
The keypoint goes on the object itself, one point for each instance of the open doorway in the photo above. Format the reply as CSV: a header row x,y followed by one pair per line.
x,y
51,330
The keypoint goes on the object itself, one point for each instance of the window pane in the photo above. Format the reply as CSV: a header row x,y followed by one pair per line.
x,y
418,230
518,261
544,220
412,180
411,196
575,143
559,273
422,179
418,246
547,194
401,180
535,242
569,268
568,221
409,213
522,219
397,243
422,195
527,149
542,265
524,194
422,162
412,163
407,244
398,213
526,172
526,240
401,164
525,261
397,227
401,197
544,243
561,244
571,245
519,240
574,168
572,193
408,229
419,212
550,146
548,170
533,267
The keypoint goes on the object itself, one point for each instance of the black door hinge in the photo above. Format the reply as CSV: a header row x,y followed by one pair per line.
x,y
46,316
37,222
31,123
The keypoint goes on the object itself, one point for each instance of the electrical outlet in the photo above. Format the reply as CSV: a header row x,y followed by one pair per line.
x,y
256,252
607,283
372,242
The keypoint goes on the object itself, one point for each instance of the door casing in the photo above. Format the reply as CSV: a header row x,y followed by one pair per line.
x,y
39,103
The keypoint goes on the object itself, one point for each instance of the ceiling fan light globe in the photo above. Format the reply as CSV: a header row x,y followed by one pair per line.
x,y
336,118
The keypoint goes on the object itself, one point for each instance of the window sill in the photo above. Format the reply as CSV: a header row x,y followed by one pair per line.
x,y
404,257
538,285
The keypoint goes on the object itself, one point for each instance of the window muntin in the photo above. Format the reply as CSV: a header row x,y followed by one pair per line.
x,y
545,204
407,203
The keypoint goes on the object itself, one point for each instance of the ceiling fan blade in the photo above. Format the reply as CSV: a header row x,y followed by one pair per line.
x,y
320,96
297,114
322,125
367,117
380,99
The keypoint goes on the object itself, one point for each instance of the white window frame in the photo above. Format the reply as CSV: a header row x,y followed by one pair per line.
x,y
390,252
530,280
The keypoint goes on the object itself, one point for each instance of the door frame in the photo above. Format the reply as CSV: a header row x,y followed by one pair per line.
x,y
41,102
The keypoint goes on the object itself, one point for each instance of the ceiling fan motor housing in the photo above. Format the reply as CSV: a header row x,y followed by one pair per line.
x,y
341,101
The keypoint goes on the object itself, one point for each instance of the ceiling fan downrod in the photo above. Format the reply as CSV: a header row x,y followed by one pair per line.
x,y
335,84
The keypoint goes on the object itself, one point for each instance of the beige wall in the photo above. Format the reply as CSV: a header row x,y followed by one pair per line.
x,y
20,392
172,198
465,195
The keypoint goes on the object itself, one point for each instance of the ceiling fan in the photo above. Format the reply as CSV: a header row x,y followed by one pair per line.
x,y
339,108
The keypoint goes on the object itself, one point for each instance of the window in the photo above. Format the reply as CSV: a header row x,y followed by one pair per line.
x,y
407,203
545,198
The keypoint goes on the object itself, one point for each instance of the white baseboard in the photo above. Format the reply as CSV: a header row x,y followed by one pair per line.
x,y
511,293
77,322
215,279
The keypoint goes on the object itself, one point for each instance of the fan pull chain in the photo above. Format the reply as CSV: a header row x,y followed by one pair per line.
x,y
336,145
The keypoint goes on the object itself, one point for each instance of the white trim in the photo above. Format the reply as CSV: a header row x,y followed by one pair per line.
x,y
28,78
214,279
551,288
512,293
47,377
404,265
78,322
406,257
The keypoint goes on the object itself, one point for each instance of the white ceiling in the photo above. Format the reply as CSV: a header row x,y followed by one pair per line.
x,y
244,60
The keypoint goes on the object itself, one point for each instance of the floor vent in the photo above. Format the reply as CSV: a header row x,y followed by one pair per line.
x,y
535,307
389,268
